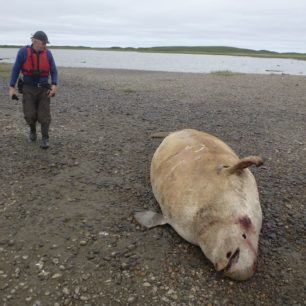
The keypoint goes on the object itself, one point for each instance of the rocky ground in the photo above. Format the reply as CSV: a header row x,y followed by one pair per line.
x,y
67,233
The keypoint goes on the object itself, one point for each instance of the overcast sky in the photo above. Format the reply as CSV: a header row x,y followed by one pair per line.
x,y
277,25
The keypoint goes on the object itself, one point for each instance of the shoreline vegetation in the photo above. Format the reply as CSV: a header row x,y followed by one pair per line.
x,y
6,68
213,50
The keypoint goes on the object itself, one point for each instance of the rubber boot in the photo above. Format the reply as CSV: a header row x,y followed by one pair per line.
x,y
33,135
45,136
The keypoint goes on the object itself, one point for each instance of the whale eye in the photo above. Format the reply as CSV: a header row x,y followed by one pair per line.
x,y
244,236
229,254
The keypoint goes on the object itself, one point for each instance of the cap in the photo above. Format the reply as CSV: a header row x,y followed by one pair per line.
x,y
40,35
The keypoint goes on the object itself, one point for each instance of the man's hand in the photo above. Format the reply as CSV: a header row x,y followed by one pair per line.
x,y
12,92
52,91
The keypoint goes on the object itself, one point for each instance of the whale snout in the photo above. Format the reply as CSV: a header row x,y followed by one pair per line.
x,y
241,274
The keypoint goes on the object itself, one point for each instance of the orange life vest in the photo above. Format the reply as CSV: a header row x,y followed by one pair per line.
x,y
37,62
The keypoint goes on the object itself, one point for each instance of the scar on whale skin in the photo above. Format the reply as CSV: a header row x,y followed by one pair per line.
x,y
245,222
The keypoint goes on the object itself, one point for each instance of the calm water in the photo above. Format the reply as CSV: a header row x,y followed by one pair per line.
x,y
168,62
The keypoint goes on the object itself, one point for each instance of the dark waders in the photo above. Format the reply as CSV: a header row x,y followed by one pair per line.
x,y
36,107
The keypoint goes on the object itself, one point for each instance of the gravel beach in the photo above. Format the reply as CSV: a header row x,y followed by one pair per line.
x,y
67,233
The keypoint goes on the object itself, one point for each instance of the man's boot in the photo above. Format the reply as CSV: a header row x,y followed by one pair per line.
x,y
33,135
45,136
44,143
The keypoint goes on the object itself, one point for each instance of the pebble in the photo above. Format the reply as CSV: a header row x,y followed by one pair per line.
x,y
84,298
55,261
66,291
67,302
165,299
11,242
40,265
4,286
83,242
17,271
57,275
77,290
44,273
171,291
131,299
90,256
85,276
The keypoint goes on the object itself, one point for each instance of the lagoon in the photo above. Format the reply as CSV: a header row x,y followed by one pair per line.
x,y
167,62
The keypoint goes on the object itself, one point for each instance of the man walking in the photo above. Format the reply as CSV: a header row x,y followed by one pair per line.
x,y
36,64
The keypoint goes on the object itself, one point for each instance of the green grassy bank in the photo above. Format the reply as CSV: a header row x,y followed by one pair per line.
x,y
214,50
5,70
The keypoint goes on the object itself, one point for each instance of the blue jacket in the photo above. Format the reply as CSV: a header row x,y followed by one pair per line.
x,y
21,58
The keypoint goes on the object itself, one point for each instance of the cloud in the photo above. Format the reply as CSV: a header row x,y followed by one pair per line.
x,y
275,24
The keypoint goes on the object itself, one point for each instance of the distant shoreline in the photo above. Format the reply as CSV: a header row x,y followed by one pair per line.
x,y
225,51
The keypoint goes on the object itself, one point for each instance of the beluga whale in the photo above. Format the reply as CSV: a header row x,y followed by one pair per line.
x,y
210,198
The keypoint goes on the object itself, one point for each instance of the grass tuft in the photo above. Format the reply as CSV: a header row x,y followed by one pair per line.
x,y
5,70
225,73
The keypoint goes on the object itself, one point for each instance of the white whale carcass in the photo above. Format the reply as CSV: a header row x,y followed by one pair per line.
x,y
207,194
